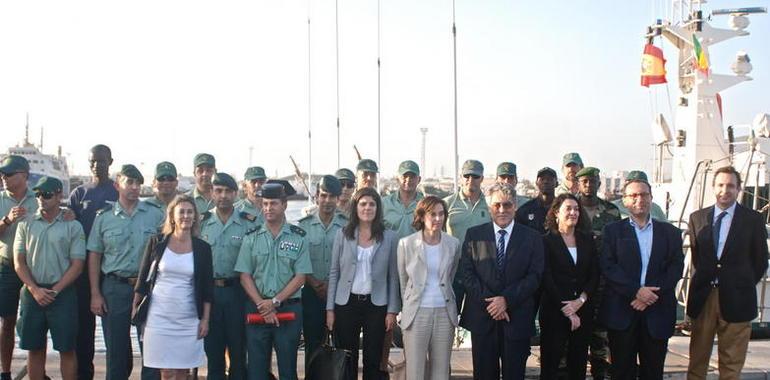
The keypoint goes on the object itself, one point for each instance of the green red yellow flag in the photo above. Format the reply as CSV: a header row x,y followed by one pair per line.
x,y
653,66
701,61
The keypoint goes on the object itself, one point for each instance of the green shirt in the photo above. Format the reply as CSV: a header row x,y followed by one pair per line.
x,y
273,262
320,240
157,202
6,204
225,239
603,214
563,189
463,215
655,211
245,205
397,217
201,203
49,248
121,238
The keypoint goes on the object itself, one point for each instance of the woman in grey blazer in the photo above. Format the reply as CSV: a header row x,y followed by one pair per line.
x,y
363,282
427,262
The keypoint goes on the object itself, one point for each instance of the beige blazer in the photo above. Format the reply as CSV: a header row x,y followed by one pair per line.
x,y
413,270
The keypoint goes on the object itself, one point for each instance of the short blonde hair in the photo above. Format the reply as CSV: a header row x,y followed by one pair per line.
x,y
168,224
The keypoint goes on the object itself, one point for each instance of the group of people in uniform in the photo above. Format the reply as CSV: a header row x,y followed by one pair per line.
x,y
67,260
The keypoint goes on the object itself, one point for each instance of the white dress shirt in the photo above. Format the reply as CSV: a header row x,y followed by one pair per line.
x,y
508,230
362,280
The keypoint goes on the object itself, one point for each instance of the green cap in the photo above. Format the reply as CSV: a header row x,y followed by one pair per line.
x,y
546,171
48,185
367,165
224,179
14,164
330,184
473,167
204,159
131,171
276,189
345,174
506,168
408,166
637,175
572,158
254,172
589,171
165,169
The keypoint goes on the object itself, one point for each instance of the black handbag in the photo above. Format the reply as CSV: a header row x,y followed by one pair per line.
x,y
143,308
331,363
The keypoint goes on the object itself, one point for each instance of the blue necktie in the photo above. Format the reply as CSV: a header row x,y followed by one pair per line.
x,y
501,249
716,230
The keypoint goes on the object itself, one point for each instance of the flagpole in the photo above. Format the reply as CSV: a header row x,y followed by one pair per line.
x,y
337,60
309,104
379,97
454,67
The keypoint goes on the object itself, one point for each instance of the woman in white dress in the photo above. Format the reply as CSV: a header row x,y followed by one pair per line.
x,y
180,266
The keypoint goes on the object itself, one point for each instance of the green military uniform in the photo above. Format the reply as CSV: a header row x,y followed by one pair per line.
x,y
244,205
120,238
155,201
10,285
49,249
273,262
464,215
227,315
569,159
398,217
201,203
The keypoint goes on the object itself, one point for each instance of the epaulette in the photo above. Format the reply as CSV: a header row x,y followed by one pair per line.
x,y
148,202
255,229
306,217
247,216
205,216
297,230
104,209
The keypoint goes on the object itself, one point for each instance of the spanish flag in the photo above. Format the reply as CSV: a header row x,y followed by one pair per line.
x,y
701,61
653,66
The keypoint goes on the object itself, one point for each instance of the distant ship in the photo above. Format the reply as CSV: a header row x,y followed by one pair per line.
x,y
41,164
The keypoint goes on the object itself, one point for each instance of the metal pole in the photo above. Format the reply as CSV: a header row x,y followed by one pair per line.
x,y
309,103
454,67
337,54
379,97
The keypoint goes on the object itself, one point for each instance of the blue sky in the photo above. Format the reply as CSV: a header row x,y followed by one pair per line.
x,y
165,80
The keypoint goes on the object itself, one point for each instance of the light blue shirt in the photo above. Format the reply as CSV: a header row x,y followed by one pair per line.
x,y
644,237
724,229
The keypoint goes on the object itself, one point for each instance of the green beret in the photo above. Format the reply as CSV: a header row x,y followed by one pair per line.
x,y
637,175
367,165
131,171
276,189
408,166
204,159
48,185
572,158
224,179
165,169
254,172
14,164
330,184
589,171
473,167
506,168
345,174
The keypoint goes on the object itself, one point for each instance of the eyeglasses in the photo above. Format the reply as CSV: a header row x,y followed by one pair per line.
x,y
348,184
166,178
504,205
44,194
638,195
472,176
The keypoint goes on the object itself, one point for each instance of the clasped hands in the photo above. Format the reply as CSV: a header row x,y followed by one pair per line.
x,y
497,308
645,297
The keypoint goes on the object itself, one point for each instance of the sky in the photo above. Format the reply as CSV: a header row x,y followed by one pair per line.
x,y
164,80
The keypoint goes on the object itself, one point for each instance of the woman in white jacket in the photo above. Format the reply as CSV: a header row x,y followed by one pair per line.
x,y
427,262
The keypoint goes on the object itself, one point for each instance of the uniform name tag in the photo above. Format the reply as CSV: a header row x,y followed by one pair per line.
x,y
288,246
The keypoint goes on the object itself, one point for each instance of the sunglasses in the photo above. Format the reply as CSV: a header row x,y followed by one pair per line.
x,y
44,194
8,175
348,184
472,176
166,178
504,205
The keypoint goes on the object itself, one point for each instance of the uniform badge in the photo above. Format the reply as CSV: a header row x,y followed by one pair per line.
x,y
531,216
288,246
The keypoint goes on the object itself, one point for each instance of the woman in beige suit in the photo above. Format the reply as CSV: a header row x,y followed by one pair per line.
x,y
427,262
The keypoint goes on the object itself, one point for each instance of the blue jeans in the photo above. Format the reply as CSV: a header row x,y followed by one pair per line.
x,y
261,339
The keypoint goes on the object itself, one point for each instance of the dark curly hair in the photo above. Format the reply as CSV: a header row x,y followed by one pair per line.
x,y
378,226
551,224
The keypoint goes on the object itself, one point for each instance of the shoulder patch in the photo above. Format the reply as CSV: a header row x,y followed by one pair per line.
x,y
104,209
247,216
297,230
205,216
255,229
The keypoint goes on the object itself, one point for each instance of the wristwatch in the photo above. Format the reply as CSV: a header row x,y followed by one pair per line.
x,y
276,302
582,299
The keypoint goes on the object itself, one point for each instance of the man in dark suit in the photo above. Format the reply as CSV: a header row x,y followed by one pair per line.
x,y
729,258
642,262
500,268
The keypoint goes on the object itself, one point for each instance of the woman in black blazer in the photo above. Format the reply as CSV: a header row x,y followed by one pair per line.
x,y
569,280
177,272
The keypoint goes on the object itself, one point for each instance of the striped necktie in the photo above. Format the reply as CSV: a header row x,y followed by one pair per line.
x,y
717,230
501,249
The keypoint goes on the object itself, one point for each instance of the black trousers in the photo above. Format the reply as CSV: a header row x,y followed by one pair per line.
x,y
492,348
626,345
359,314
555,336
